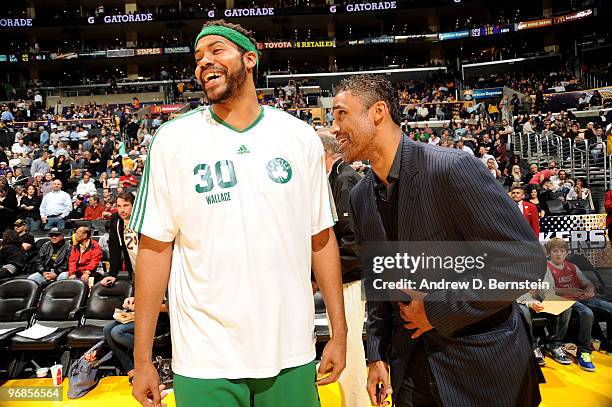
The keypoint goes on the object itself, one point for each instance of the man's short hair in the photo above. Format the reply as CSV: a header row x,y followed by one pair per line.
x,y
545,180
126,196
371,89
86,230
556,243
330,144
517,187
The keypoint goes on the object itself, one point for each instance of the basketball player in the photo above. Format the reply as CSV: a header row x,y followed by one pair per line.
x,y
242,192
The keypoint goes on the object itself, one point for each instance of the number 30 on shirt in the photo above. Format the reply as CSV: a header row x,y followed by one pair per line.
x,y
225,176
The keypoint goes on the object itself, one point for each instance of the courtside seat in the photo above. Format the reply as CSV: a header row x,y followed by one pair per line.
x,y
59,307
17,300
99,312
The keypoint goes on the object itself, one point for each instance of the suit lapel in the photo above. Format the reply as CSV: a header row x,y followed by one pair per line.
x,y
408,199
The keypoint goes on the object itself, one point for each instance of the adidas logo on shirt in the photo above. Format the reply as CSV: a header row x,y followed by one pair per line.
x,y
243,150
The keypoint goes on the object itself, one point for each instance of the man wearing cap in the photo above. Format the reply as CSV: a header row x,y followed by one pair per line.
x,y
40,165
53,258
55,207
242,314
25,238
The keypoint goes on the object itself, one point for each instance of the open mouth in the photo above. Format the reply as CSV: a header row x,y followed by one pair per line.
x,y
212,77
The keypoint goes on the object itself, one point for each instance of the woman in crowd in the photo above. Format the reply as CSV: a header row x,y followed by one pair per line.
x,y
534,198
102,181
580,191
47,184
37,181
113,182
10,179
12,258
30,208
515,178
61,170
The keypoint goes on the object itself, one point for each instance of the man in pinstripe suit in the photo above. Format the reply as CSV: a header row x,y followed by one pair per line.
x,y
442,351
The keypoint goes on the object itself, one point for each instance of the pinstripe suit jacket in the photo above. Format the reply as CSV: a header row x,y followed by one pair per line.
x,y
479,352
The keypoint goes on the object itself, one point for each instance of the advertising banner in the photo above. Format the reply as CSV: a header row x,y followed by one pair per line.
x,y
372,6
453,35
121,18
15,22
568,18
491,30
487,93
67,55
527,25
119,53
177,50
92,54
148,51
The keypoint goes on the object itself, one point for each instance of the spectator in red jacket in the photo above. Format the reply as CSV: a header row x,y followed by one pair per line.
x,y
529,210
608,205
94,210
85,256
128,180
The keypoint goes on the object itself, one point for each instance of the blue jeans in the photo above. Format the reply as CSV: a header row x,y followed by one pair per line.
x,y
120,338
55,222
32,224
586,318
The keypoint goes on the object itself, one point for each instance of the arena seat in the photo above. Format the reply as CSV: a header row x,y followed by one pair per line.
x,y
98,312
17,300
60,307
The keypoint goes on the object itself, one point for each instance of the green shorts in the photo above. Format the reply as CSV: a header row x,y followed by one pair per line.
x,y
294,387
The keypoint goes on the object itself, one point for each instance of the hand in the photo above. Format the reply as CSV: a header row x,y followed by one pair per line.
x,y
333,360
129,303
147,389
85,276
572,293
537,306
414,314
108,281
72,276
43,219
49,275
589,292
378,372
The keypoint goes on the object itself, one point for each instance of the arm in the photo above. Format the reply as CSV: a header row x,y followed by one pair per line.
x,y
43,207
152,274
535,220
326,266
67,206
114,250
72,262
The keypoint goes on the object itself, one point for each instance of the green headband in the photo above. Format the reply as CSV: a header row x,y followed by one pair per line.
x,y
232,35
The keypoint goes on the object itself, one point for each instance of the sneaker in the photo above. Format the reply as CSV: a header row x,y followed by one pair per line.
x,y
559,356
585,362
537,352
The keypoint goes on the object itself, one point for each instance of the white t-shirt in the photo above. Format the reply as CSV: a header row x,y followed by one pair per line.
x,y
241,208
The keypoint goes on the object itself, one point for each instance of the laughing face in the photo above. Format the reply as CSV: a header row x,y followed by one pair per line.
x,y
353,127
220,68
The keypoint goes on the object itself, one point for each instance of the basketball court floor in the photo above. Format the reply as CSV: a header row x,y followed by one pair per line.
x,y
567,386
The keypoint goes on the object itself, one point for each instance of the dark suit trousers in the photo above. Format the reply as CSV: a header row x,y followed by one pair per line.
x,y
419,388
